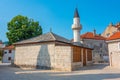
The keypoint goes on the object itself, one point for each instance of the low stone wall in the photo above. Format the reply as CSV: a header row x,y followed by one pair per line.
x,y
89,63
76,65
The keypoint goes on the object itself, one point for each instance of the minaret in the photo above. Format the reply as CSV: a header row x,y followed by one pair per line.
x,y
76,26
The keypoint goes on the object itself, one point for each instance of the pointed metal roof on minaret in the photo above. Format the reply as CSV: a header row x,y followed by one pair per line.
x,y
76,14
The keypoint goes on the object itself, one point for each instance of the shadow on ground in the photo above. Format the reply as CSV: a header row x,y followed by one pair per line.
x,y
92,73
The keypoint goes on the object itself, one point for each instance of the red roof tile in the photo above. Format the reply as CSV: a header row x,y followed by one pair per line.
x,y
90,35
9,47
114,36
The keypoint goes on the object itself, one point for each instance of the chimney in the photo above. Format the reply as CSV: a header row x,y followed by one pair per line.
x,y
94,32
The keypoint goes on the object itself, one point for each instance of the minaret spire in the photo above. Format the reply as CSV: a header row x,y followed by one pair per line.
x,y
76,14
76,26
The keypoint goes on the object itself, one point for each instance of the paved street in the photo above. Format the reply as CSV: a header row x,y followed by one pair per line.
x,y
95,72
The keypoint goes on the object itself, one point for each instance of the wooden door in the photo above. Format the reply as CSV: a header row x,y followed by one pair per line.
x,y
84,57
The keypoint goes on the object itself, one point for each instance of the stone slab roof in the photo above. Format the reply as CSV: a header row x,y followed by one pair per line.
x,y
49,37
44,38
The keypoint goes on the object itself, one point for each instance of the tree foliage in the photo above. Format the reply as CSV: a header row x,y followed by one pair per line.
x,y
21,28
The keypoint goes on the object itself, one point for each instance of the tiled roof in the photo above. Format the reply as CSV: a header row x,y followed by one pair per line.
x,y
44,38
114,36
9,47
90,35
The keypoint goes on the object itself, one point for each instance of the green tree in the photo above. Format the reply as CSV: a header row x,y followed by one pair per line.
x,y
21,28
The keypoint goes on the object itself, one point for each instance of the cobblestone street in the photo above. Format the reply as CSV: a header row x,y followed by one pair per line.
x,y
95,72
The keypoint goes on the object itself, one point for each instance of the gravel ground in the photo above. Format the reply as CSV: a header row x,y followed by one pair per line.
x,y
95,72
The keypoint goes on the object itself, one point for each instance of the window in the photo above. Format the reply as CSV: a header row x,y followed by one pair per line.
x,y
9,58
10,51
5,52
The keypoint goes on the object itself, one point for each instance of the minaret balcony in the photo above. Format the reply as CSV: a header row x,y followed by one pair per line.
x,y
78,27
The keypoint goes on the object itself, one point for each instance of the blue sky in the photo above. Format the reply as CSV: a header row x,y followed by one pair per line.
x,y
58,14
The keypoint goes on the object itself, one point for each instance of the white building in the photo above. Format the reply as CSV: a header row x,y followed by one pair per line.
x,y
114,50
8,54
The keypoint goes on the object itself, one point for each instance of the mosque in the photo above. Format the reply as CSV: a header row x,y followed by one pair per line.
x,y
51,51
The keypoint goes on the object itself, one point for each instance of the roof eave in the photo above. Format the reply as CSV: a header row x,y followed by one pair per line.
x,y
33,42
113,40
94,38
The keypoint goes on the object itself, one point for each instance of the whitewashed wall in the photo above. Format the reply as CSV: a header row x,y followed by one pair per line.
x,y
6,55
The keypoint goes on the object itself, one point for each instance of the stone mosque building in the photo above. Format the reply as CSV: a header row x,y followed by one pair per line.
x,y
51,51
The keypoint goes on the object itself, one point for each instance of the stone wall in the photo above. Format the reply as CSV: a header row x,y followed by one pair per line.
x,y
114,54
47,56
77,65
89,63
112,47
99,49
63,58
115,59
35,56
